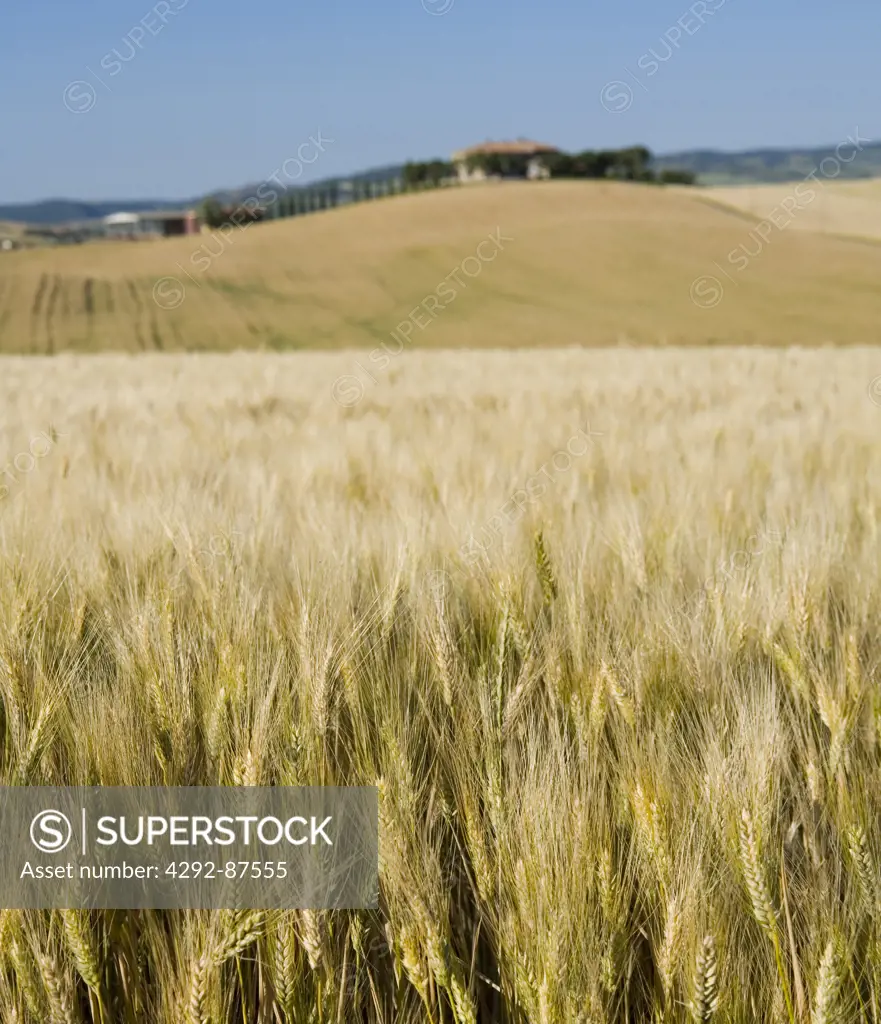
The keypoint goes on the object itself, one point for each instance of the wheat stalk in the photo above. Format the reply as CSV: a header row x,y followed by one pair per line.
x,y
828,982
215,734
762,905
58,989
705,983
792,673
245,929
412,961
26,978
198,999
312,937
864,866
761,902
668,956
463,1005
284,965
545,570
85,954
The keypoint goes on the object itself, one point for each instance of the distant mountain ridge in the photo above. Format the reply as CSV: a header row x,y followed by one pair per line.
x,y
716,167
62,211
68,211
713,167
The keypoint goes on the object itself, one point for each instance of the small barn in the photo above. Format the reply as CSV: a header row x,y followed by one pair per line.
x,y
170,223
152,224
122,225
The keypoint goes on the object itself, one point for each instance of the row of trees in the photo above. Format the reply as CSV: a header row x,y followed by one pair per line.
x,y
306,200
631,164
215,215
299,201
428,172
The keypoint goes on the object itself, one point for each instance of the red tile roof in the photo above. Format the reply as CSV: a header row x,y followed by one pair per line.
x,y
520,147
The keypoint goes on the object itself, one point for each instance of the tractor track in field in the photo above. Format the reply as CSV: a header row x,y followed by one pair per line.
x,y
155,333
5,307
65,302
139,314
57,289
89,297
89,306
36,309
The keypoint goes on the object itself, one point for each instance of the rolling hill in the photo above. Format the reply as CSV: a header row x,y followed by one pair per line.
x,y
712,167
64,211
587,263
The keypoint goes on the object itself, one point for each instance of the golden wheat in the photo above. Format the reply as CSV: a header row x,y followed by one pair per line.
x,y
598,802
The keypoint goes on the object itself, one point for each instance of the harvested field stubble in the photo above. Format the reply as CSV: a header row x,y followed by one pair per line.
x,y
588,263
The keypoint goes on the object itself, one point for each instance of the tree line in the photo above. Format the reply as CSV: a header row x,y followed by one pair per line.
x,y
631,164
215,215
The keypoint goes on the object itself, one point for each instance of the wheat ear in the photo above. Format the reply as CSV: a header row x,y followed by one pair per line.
x,y
197,1003
58,990
705,983
828,981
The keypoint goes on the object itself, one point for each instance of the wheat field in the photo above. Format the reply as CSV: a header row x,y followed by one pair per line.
x,y
601,625
589,263
820,206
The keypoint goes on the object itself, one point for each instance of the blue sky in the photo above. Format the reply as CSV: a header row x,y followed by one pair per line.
x,y
218,94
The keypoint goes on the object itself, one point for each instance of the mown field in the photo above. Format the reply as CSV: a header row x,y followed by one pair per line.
x,y
626,728
590,264
839,208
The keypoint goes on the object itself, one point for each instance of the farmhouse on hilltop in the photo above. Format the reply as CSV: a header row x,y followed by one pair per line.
x,y
521,158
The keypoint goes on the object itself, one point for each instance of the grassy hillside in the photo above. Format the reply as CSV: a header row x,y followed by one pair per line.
x,y
588,264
